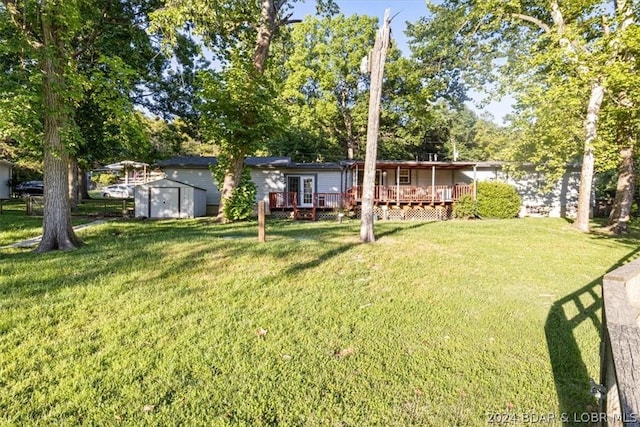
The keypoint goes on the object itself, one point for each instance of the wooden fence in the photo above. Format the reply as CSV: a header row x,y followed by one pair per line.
x,y
88,207
620,357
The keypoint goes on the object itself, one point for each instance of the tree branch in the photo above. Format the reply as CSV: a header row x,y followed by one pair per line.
x,y
544,27
18,19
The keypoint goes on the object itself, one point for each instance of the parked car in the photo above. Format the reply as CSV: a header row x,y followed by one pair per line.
x,y
120,191
29,188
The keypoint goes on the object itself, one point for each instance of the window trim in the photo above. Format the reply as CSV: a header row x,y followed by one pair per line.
x,y
404,176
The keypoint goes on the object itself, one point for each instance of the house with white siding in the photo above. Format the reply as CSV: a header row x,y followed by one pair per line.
x,y
403,189
5,179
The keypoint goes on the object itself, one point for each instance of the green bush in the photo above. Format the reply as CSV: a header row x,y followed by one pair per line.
x,y
497,200
243,199
105,179
465,207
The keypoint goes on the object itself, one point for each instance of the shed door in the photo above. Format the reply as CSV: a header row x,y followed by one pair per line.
x,y
165,202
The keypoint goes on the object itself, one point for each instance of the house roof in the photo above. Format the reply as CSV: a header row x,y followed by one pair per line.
x,y
331,166
205,162
5,162
411,164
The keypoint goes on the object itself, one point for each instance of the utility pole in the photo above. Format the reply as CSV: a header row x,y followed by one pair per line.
x,y
378,57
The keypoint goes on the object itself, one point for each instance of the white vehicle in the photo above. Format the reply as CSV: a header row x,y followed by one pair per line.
x,y
120,191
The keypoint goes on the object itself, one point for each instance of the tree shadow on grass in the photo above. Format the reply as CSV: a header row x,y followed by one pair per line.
x,y
119,245
299,267
570,372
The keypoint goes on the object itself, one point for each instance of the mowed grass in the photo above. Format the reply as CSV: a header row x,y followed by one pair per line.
x,y
195,323
16,225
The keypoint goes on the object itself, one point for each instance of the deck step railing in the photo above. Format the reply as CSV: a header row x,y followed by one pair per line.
x,y
620,356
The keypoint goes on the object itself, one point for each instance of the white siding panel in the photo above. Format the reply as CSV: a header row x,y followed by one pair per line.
x,y
329,182
267,181
5,177
198,178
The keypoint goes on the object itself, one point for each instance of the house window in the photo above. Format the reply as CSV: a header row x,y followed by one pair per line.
x,y
379,180
405,176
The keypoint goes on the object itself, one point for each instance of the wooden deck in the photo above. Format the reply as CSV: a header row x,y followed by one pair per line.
x,y
390,196
408,195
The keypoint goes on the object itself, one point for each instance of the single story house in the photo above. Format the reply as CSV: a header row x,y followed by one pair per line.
x,y
5,179
404,189
271,175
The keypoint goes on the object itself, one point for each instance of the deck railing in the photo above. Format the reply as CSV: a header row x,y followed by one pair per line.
x,y
620,356
285,200
329,200
414,194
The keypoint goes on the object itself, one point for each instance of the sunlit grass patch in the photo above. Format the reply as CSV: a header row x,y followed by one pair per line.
x,y
193,322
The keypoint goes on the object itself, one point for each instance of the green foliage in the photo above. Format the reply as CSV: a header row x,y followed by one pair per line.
x,y
465,207
241,205
498,200
324,92
105,179
115,333
238,114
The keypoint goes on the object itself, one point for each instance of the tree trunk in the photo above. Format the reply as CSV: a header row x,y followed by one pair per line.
x,y
57,229
83,183
269,14
73,183
378,57
588,158
233,174
621,212
232,177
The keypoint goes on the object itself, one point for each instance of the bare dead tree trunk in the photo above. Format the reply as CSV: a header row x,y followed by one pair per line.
x,y
378,57
621,212
588,157
57,229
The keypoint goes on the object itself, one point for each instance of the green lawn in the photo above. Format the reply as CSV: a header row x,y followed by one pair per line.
x,y
195,323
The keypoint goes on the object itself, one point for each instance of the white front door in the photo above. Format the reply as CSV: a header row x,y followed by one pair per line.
x,y
308,187
304,186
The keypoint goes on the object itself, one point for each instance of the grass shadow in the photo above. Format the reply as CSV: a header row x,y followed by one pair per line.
x,y
297,268
570,373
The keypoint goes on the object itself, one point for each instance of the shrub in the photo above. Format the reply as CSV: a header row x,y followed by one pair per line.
x,y
497,200
105,179
241,204
465,207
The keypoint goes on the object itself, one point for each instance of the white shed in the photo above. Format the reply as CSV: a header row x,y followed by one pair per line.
x,y
5,179
166,198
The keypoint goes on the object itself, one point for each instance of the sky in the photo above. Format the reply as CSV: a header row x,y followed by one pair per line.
x,y
406,10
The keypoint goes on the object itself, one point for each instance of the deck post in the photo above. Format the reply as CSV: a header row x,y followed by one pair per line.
x,y
433,184
261,222
475,183
398,186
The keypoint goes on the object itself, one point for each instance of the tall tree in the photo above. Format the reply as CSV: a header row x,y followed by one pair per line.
x,y
325,91
378,58
232,31
553,53
46,31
